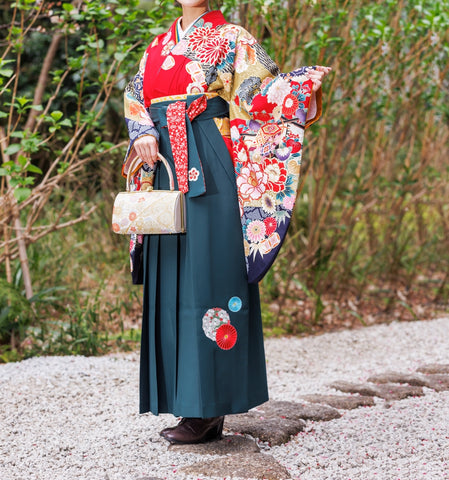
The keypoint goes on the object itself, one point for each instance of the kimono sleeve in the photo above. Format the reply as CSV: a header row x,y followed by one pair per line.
x,y
137,118
139,123
268,116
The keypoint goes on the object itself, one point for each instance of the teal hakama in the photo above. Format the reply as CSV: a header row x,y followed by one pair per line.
x,y
183,371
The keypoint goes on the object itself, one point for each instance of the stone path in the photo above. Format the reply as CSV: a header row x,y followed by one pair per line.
x,y
76,418
275,422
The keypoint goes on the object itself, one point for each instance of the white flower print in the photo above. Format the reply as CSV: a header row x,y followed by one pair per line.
x,y
252,182
278,91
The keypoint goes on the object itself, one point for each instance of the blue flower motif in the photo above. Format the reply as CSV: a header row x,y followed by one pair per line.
x,y
235,304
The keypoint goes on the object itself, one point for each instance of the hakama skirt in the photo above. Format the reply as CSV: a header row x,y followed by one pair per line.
x,y
183,370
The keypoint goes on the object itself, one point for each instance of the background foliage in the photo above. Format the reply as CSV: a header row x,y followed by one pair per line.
x,y
370,232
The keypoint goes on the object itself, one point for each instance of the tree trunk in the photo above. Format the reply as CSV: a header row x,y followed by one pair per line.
x,y
17,225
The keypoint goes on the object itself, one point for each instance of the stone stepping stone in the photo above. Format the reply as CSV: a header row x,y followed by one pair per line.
x,y
304,411
275,422
342,402
274,431
229,444
387,391
436,382
434,368
239,465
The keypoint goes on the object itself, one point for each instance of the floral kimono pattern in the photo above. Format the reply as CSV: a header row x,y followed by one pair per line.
x,y
267,118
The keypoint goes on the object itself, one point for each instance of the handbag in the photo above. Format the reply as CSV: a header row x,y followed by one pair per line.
x,y
149,211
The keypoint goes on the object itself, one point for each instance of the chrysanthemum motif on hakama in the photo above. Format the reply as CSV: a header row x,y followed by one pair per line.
x,y
217,324
213,319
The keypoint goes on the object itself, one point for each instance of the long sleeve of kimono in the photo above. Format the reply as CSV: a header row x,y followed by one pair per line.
x,y
137,118
268,116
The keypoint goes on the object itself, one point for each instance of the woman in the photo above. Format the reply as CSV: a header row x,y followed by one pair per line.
x,y
210,100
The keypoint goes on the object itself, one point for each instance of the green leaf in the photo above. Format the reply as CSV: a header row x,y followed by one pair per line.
x,y
18,134
88,148
63,167
68,7
6,72
34,169
3,172
12,149
23,101
66,122
99,44
120,56
56,115
22,193
70,93
3,115
22,160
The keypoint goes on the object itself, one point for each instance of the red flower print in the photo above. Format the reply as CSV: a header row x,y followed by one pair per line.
x,y
262,116
290,105
260,104
226,336
193,174
201,36
294,143
277,174
270,225
132,216
214,51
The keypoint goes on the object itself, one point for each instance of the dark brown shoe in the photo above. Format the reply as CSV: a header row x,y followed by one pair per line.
x,y
194,430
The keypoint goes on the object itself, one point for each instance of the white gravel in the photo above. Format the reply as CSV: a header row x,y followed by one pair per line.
x,y
64,418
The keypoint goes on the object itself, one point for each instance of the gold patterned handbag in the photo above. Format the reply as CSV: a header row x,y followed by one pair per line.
x,y
149,211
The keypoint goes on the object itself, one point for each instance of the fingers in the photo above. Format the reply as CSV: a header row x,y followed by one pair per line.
x,y
325,70
146,148
317,75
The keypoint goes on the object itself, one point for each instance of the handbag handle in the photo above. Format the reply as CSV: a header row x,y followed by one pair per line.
x,y
162,159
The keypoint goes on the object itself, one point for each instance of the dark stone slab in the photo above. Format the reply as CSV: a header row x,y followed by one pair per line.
x,y
387,391
434,368
275,431
256,465
342,402
275,422
296,411
440,381
227,445
436,382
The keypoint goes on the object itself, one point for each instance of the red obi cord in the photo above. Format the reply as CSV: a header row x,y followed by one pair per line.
x,y
176,123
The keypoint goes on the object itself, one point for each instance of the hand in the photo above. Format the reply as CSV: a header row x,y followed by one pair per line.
x,y
317,75
146,148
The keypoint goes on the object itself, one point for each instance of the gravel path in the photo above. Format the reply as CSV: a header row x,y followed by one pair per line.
x,y
64,418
